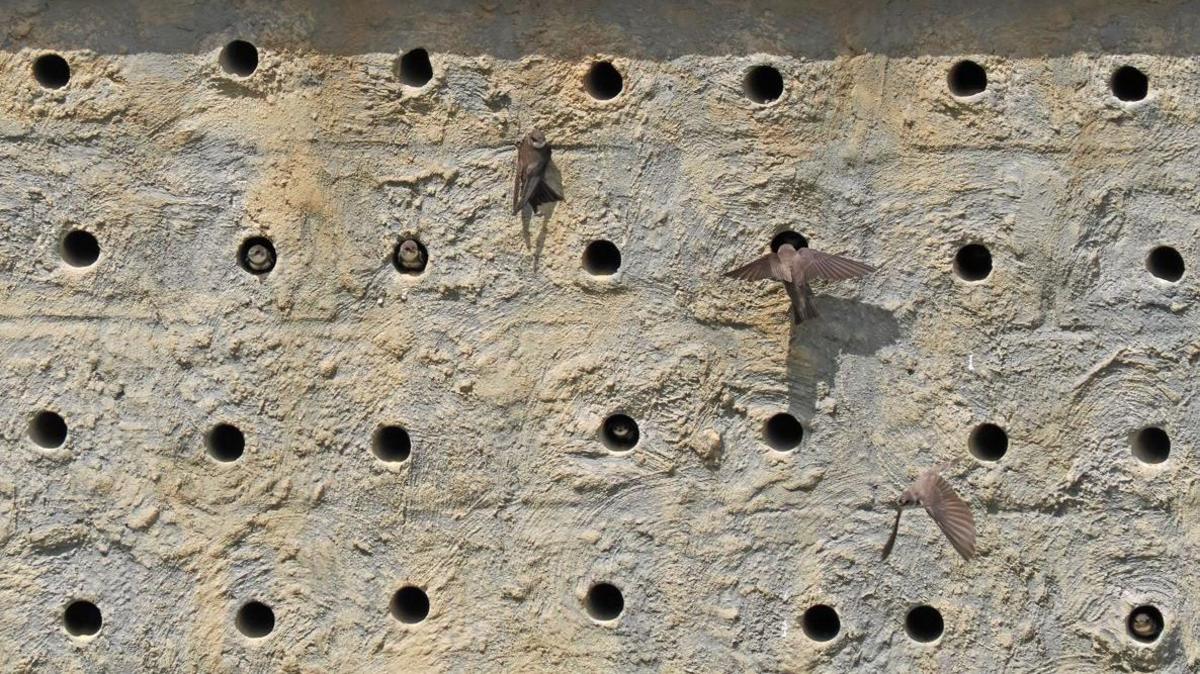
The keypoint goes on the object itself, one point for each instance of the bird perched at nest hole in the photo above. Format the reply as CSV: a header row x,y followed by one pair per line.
x,y
259,258
537,181
948,511
795,267
1144,625
622,431
410,257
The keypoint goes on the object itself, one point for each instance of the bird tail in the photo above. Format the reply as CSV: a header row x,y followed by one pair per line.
x,y
544,194
803,307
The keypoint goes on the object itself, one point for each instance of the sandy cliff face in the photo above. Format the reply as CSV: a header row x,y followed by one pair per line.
x,y
503,359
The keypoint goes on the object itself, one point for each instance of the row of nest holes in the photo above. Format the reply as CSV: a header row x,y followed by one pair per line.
x,y
968,78
604,603
254,619
256,255
973,263
240,58
226,443
989,442
619,433
762,84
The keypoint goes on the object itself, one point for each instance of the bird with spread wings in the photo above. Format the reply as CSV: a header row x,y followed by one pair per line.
x,y
948,511
796,268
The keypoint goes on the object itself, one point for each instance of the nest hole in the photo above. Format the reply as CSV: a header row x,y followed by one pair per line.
x,y
82,619
51,71
239,58
796,239
783,432
410,605
924,624
973,262
603,81
1151,445
966,78
255,620
1165,263
1129,83
225,443
763,84
391,444
47,430
988,442
821,623
604,602
601,258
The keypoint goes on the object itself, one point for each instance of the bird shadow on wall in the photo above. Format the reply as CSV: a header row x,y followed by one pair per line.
x,y
527,217
844,326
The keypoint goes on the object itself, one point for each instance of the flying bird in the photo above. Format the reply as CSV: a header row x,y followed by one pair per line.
x,y
537,181
796,267
948,511
409,256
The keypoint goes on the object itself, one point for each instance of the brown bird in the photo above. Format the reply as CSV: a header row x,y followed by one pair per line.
x,y
796,268
1144,626
948,511
537,181
409,256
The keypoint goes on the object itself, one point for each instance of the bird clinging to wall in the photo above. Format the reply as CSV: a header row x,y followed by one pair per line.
x,y
537,181
948,511
795,268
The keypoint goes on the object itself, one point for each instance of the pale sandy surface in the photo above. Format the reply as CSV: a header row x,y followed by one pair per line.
x,y
505,357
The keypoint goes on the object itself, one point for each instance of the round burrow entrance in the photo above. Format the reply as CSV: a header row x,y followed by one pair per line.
x,y
924,624
763,84
783,432
47,430
255,620
239,58
410,605
821,623
988,442
82,619
603,81
966,78
604,602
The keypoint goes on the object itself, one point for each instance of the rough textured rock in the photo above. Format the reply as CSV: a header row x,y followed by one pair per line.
x,y
503,359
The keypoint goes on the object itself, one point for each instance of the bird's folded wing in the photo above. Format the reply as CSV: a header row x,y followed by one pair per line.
x,y
831,267
532,183
552,182
952,516
766,267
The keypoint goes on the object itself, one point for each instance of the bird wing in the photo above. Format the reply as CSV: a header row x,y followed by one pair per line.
x,y
812,264
949,511
552,181
531,188
530,162
891,541
768,266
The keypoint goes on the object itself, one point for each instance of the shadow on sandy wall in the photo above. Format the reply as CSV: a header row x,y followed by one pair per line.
x,y
510,29
845,326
